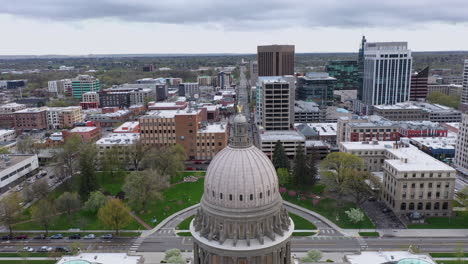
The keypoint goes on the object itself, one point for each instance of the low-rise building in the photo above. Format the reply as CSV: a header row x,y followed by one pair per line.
x,y
87,134
412,180
438,147
290,140
31,118
14,168
410,111
382,257
110,119
128,127
7,135
447,89
366,128
167,105
11,107
102,258
307,112
411,129
64,117
122,141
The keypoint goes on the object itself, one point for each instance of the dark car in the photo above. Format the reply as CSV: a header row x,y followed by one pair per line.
x,y
190,168
7,237
386,210
21,237
75,236
107,236
62,249
57,236
200,169
372,199
41,236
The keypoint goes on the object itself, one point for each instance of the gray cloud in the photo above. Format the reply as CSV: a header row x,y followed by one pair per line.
x,y
248,14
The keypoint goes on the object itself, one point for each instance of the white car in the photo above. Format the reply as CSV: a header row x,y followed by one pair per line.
x,y
28,249
44,249
89,236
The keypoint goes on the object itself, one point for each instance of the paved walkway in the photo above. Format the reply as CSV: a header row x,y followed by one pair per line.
x,y
411,232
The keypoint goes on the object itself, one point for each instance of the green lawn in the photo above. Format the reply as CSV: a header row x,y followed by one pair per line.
x,y
184,234
301,234
460,221
301,223
328,208
369,234
183,174
447,255
185,225
176,198
451,262
19,255
28,262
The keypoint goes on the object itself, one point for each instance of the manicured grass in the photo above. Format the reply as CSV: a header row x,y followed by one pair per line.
x,y
301,223
328,208
451,261
447,255
300,234
185,225
20,255
28,262
184,234
176,198
180,177
369,234
460,221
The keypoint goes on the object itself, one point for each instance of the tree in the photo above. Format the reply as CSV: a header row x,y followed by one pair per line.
x,y
10,211
355,215
143,186
300,169
360,184
313,255
44,214
283,176
136,153
115,214
112,161
443,99
168,161
95,201
25,145
40,189
67,202
312,171
4,150
280,160
65,160
173,256
463,195
336,169
88,180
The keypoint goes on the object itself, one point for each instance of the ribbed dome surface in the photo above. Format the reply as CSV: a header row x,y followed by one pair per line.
x,y
241,178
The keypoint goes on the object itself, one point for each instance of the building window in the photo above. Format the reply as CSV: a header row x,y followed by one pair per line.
x,y
445,206
251,197
221,196
230,197
403,206
436,206
428,206
261,195
241,197
420,206
411,206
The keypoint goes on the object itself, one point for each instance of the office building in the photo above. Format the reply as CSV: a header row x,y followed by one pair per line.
x,y
187,127
31,118
120,141
87,134
57,87
361,68
253,72
205,80
275,102
454,90
412,180
366,128
290,139
188,89
419,82
308,112
317,87
386,76
464,95
275,60
11,107
83,84
148,68
7,135
418,111
90,100
15,168
64,117
346,74
441,148
461,149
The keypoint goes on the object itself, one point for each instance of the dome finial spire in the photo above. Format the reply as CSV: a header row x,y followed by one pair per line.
x,y
240,138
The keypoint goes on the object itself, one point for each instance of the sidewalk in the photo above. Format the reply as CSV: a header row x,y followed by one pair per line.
x,y
411,232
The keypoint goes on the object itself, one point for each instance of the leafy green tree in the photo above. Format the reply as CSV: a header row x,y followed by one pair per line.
x,y
300,169
95,201
463,195
283,176
279,159
4,150
87,164
313,255
173,256
360,185
65,160
355,215
143,186
168,161
40,189
25,145
10,211
337,168
44,214
443,99
312,171
136,153
115,214
112,161
68,202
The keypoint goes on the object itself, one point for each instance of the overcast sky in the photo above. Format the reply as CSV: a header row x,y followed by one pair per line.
x,y
219,26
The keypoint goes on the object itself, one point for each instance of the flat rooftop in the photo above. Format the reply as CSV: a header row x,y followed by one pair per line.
x,y
324,129
10,160
282,136
214,128
127,126
170,113
436,142
82,129
119,139
101,258
32,110
381,257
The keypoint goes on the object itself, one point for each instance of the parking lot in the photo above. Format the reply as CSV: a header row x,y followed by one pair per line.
x,y
382,217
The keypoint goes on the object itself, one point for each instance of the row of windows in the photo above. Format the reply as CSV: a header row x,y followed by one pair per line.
x,y
420,206
241,196
15,172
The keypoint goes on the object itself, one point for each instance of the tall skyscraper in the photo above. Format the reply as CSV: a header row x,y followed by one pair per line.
x,y
461,151
361,67
419,85
83,84
241,219
275,60
275,102
346,73
464,96
386,76
317,87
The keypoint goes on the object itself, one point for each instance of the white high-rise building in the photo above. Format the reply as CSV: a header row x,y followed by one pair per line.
x,y
461,149
387,74
464,95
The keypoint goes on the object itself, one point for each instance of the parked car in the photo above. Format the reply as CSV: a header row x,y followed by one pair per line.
x,y
200,169
62,249
107,236
28,249
190,168
386,210
89,236
372,199
44,249
75,236
21,237
41,236
57,236
7,237
198,162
